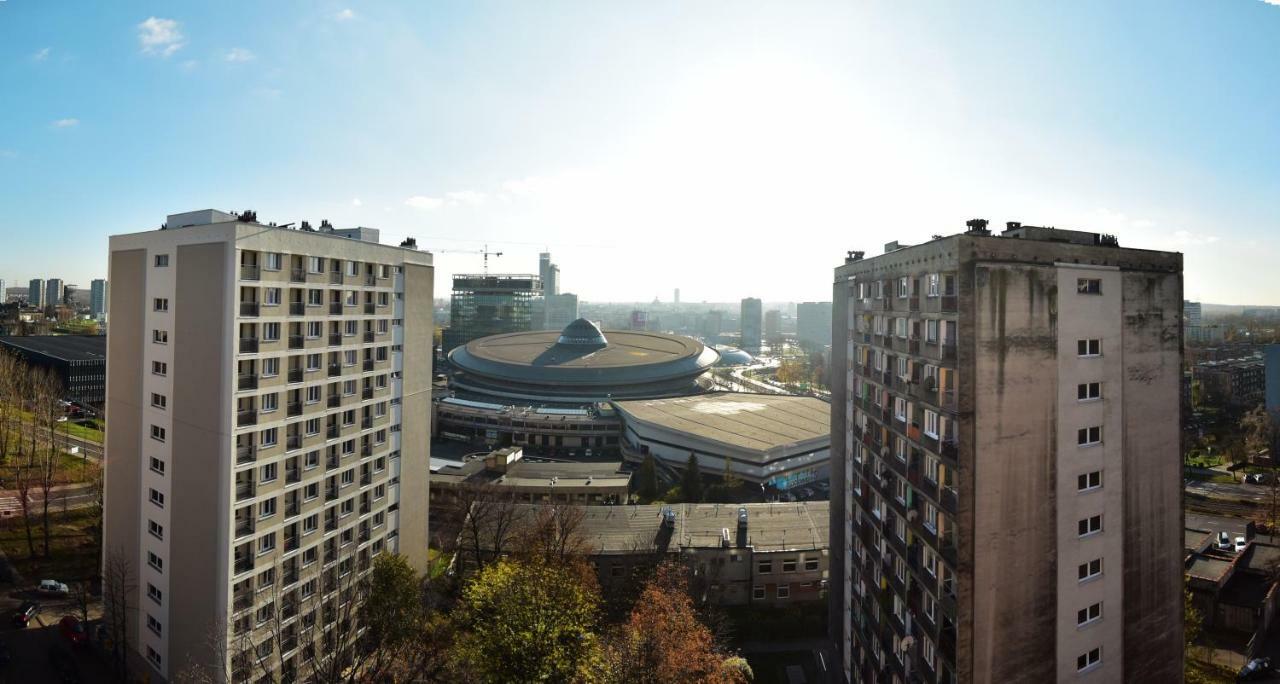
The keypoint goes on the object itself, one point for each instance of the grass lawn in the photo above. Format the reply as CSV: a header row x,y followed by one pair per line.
x,y
83,432
73,553
437,562
1203,461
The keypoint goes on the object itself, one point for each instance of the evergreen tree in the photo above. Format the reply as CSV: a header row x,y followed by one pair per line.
x,y
647,480
691,484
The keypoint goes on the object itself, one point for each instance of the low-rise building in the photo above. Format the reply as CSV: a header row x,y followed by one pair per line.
x,y
1236,382
1235,592
78,361
533,481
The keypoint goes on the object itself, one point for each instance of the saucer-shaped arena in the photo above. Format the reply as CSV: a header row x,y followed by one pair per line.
x,y
581,364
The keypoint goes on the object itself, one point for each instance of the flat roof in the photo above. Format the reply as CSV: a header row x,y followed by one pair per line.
x,y
1208,568
529,473
66,347
749,421
770,526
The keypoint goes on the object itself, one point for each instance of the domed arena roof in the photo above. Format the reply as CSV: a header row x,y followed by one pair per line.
x,y
581,363
732,356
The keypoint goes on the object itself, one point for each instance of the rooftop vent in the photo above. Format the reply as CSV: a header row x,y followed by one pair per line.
x,y
977,227
853,255
411,243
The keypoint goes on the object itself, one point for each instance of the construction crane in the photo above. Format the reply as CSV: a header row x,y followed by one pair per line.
x,y
484,251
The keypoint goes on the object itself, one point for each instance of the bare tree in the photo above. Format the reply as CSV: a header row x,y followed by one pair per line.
x,y
119,584
554,533
46,391
488,515
10,406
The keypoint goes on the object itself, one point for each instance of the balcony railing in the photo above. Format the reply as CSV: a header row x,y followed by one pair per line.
x,y
243,600
332,431
368,308
249,272
366,450
335,369
295,342
245,454
335,308
294,409
334,401
244,528
244,564
335,339
291,544
247,382
366,422
370,280
244,418
248,345
368,365
248,308
332,461
292,475
297,309
244,490
365,478
366,393
293,442
335,277
297,275
295,374
368,336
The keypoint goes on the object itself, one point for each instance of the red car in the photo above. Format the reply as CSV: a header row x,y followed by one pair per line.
x,y
73,631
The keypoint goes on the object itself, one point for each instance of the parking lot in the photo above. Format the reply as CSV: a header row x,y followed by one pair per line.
x,y
39,652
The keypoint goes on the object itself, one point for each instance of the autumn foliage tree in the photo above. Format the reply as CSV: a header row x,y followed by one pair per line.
x,y
664,641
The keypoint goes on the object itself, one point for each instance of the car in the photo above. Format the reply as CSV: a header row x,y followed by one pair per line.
x,y
1258,668
24,613
1224,542
1241,543
73,630
52,588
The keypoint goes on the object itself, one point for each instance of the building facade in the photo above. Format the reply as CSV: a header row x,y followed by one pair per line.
x,y
1004,507
79,362
484,305
35,293
54,289
4,292
98,299
269,392
1240,383
752,322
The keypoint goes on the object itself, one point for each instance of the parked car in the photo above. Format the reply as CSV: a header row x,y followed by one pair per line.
x,y
24,613
1258,668
73,630
52,587
1241,543
1224,542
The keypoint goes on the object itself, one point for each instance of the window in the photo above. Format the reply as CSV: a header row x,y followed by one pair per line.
x,y
1089,615
349,297
313,394
927,652
900,408
810,563
1088,286
269,472
269,437
153,657
931,423
315,264
314,361
789,564
153,593
348,476
270,402
159,368
157,433
1088,390
314,329
267,508
155,561
312,426
382,326
162,260
1091,525
153,624
160,336
1089,481
350,328
757,593
158,400
353,268
156,529
784,591
930,606
312,459
308,557
1089,347
315,297
161,304
310,523
1090,570
311,491
1088,660
271,366
765,567
904,287
931,330
933,285
157,498
271,332
267,543
157,465
1089,436
273,261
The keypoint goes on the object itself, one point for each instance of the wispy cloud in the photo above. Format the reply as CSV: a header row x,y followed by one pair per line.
x,y
8,154
1272,2
161,37
239,54
1186,238
356,202
189,65
424,202
66,123
465,197
41,55
345,15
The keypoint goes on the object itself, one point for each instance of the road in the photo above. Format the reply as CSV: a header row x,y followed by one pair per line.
x,y
61,498
1236,491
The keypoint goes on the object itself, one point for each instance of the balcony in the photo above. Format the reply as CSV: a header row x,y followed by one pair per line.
x,y
365,478
948,499
291,544
248,345
297,309
335,369
244,528
370,280
335,308
295,342
244,490
949,303
366,422
331,462
334,401
368,337
366,393
292,442
244,563
245,454
297,275
335,277
247,382
248,308
292,475
330,525
367,366
249,272
950,448
335,339
331,491
292,509
368,308
243,600
244,418
913,304
366,450
295,374
949,350
294,409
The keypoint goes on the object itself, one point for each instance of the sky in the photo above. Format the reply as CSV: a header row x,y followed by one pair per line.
x,y
729,149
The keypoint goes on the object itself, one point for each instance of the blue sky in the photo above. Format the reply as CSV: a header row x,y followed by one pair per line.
x,y
728,149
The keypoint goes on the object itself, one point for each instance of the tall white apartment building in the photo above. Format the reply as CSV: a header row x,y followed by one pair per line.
x,y
98,298
1004,504
35,293
54,288
269,393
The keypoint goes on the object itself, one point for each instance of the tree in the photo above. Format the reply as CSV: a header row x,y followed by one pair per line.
x,y
664,640
46,391
10,402
691,483
487,515
1191,623
647,479
527,620
1259,436
119,584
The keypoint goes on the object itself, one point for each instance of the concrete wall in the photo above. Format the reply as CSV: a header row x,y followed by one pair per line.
x,y
201,460
416,414
842,507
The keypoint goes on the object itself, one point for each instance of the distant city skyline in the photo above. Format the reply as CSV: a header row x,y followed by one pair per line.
x,y
731,150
